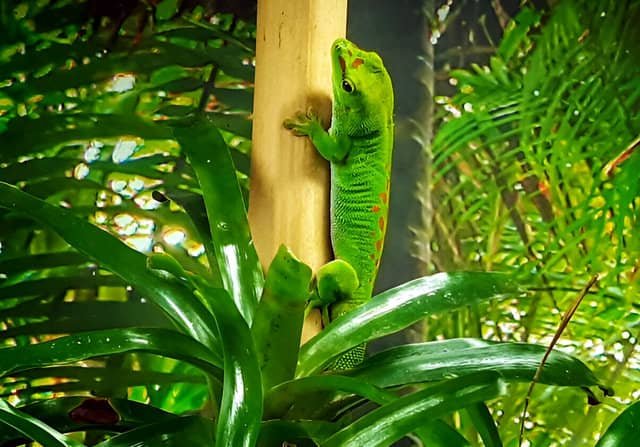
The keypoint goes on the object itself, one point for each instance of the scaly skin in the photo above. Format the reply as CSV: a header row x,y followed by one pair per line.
x,y
359,146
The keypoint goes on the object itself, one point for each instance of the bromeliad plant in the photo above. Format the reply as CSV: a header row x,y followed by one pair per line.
x,y
105,344
243,340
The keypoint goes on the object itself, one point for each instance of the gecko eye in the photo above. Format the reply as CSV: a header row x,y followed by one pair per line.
x,y
347,86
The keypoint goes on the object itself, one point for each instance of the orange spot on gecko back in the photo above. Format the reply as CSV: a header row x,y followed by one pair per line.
x,y
381,223
343,64
375,208
357,62
372,257
384,197
379,245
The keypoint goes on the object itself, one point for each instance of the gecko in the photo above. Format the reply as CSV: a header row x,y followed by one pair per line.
x,y
358,145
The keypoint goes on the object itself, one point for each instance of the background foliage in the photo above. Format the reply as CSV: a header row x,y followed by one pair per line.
x,y
535,168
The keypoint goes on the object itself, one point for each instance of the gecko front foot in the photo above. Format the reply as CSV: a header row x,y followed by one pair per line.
x,y
303,123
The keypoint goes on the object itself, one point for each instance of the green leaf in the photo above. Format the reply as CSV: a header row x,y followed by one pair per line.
x,y
623,431
100,381
277,432
233,246
71,317
516,32
436,433
402,416
73,348
80,413
297,393
166,9
433,361
10,266
241,407
32,428
176,301
398,308
28,135
56,284
237,123
485,425
177,432
278,321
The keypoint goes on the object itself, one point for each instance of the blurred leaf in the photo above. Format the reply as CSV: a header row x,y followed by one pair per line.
x,y
166,9
177,302
33,428
28,135
54,284
79,378
177,432
65,318
277,432
79,413
237,123
10,266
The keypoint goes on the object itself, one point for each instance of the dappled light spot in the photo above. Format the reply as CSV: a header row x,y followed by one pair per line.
x,y
124,149
140,242
92,152
174,236
80,171
194,249
122,82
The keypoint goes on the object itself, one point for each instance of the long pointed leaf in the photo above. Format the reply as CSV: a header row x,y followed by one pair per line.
x,y
278,321
180,431
87,345
241,406
432,361
80,413
402,416
398,308
623,431
176,301
32,428
234,251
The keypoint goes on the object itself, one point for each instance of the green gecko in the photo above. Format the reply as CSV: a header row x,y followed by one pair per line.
x,y
358,145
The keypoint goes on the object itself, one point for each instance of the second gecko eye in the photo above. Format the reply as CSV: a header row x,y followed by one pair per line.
x,y
347,86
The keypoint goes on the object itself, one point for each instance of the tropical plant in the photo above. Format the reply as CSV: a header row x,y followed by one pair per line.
x,y
134,310
535,164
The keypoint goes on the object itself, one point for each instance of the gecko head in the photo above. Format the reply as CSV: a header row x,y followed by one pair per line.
x,y
362,88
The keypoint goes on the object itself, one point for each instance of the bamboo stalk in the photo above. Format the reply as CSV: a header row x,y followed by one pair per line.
x,y
288,201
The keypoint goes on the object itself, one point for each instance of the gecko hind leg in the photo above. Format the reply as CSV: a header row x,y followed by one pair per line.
x,y
336,281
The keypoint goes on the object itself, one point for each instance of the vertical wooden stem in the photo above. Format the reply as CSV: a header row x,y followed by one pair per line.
x,y
288,201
